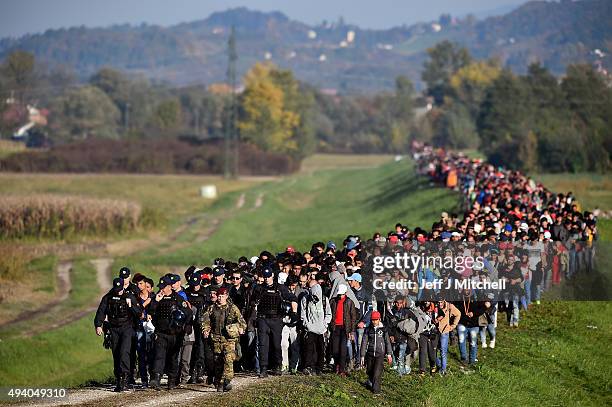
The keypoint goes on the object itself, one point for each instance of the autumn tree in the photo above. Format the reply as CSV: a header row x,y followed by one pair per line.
x,y
266,118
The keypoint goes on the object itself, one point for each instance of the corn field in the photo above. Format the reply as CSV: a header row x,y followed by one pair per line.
x,y
54,216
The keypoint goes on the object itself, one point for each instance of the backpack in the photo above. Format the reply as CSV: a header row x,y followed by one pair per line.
x,y
416,323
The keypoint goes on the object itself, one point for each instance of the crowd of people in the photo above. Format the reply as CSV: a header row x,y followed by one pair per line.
x,y
317,311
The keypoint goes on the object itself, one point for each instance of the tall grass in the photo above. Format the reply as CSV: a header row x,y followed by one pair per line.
x,y
53,216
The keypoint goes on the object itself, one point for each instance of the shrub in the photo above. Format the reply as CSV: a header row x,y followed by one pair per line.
x,y
157,156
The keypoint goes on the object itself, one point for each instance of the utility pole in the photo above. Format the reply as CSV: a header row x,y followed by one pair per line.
x,y
231,136
126,119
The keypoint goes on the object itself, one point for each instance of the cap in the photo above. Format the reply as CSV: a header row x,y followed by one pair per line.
x,y
331,245
174,278
355,277
254,259
508,228
290,249
222,291
117,284
375,315
124,272
164,281
219,271
267,273
342,288
194,279
190,270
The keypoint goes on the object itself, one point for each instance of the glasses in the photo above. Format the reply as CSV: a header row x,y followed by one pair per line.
x,y
235,278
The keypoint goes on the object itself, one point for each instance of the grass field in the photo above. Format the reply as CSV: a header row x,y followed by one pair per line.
x,y
552,359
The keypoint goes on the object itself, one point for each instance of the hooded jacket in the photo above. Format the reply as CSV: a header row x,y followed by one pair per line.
x,y
375,341
315,313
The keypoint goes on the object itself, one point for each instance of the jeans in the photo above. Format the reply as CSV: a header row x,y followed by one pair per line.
x,y
526,297
253,348
489,328
358,337
144,357
463,331
402,368
536,292
512,308
443,351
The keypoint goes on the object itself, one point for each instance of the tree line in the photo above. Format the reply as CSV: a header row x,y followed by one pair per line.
x,y
530,122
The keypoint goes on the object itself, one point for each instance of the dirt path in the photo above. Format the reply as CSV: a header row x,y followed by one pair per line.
x,y
102,396
241,200
103,273
64,285
259,201
102,267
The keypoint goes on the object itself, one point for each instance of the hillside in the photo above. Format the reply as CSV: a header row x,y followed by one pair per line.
x,y
554,33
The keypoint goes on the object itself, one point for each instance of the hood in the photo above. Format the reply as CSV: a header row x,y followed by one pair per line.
x,y
316,290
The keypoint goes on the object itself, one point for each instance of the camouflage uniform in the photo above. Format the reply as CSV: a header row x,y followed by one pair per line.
x,y
223,323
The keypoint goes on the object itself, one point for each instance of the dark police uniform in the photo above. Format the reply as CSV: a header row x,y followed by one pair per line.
x,y
197,299
121,318
168,337
268,300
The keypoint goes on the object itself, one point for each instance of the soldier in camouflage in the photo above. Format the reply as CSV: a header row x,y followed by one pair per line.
x,y
224,324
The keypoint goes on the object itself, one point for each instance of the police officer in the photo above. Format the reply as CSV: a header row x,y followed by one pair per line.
x,y
197,297
170,312
268,301
128,285
219,278
126,274
224,324
122,310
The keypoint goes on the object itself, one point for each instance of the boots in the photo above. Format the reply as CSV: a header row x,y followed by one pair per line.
x,y
200,377
210,379
219,386
171,383
193,379
154,383
119,385
227,386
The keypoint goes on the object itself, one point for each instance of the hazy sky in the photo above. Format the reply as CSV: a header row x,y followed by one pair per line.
x,y
18,17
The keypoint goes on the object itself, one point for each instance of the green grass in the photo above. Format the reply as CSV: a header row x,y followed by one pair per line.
x,y
34,286
320,162
83,293
308,208
590,189
69,356
552,359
